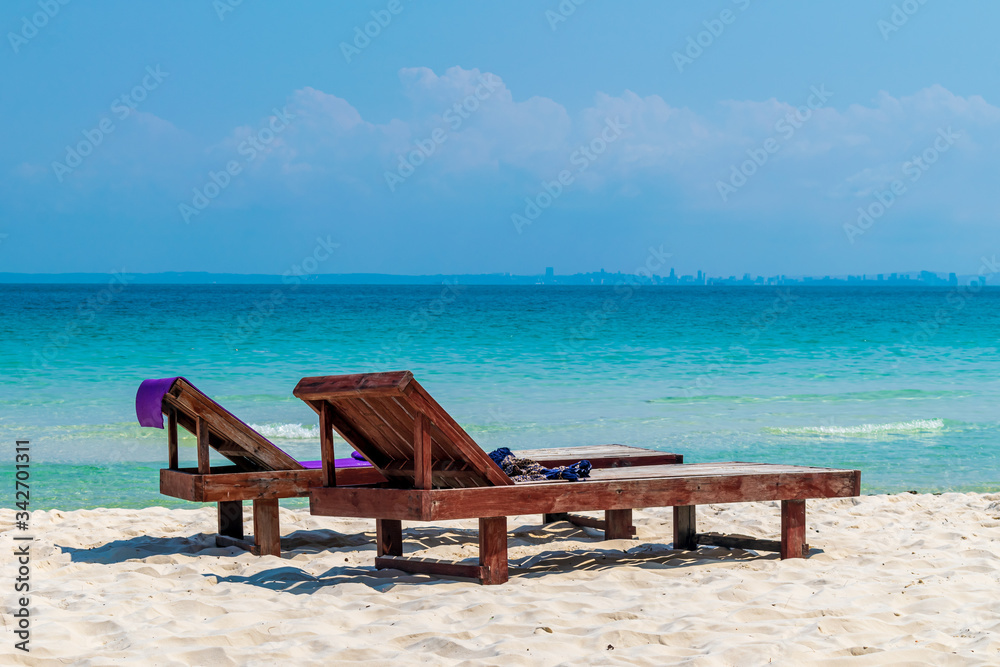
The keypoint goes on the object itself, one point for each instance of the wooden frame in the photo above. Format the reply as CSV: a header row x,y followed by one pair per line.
x,y
436,472
682,487
653,486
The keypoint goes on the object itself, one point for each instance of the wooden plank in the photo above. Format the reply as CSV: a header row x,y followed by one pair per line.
x,y
422,475
380,437
432,567
618,525
391,448
179,485
438,467
737,542
266,532
585,521
375,428
493,550
275,483
601,456
227,448
360,502
228,483
627,530
793,529
389,537
172,456
326,445
691,470
231,518
204,466
685,528
346,386
559,496
387,420
392,413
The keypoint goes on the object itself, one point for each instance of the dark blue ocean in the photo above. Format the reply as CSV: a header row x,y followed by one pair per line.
x,y
903,383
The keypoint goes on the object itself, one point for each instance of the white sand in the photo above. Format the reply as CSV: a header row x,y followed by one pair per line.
x,y
907,579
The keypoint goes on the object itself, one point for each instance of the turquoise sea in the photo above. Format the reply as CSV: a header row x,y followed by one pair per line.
x,y
903,383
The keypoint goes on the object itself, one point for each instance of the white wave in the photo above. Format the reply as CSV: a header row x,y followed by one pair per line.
x,y
287,431
865,429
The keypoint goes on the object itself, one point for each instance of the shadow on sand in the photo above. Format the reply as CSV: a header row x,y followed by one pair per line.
x,y
290,579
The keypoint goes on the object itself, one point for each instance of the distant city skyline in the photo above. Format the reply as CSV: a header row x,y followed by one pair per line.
x,y
547,277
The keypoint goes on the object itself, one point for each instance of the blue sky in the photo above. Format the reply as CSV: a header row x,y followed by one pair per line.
x,y
583,136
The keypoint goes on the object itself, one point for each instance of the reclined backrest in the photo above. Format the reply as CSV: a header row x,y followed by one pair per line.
x,y
227,434
395,424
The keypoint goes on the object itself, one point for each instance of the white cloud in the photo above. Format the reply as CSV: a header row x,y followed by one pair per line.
x,y
840,155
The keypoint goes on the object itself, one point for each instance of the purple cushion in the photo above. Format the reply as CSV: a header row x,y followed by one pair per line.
x,y
340,463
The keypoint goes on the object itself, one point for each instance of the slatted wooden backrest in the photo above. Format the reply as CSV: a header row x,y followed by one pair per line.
x,y
228,435
394,423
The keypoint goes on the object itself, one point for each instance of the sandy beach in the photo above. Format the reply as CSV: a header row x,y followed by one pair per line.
x,y
898,579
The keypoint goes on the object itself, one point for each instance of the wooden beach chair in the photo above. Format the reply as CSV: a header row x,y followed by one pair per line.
x,y
436,472
260,472
263,473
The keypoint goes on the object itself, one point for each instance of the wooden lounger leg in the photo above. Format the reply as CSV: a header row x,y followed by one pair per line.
x,y
266,533
389,537
618,525
685,528
231,518
493,550
793,529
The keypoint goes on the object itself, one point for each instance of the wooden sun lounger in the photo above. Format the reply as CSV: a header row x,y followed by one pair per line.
x,y
263,473
435,472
